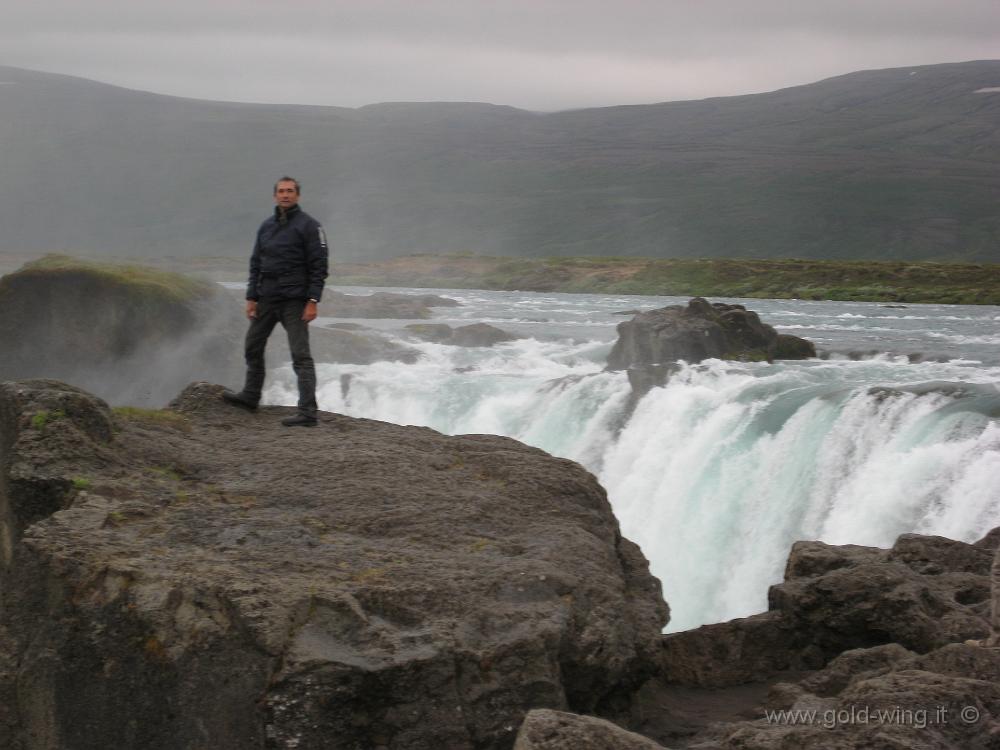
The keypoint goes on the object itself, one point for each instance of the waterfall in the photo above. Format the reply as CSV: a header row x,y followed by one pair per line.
x,y
716,474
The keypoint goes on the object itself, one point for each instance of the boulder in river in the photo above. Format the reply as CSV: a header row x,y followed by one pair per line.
x,y
697,331
474,334
382,305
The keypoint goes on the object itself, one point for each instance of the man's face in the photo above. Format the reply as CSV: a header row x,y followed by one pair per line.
x,y
285,194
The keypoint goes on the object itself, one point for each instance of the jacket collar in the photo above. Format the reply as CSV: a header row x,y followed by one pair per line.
x,y
284,217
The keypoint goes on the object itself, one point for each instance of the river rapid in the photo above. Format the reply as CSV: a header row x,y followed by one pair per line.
x,y
896,429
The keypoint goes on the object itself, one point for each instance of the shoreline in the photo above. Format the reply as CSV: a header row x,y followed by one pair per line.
x,y
847,281
855,281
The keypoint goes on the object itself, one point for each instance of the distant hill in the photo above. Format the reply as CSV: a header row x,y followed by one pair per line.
x,y
889,164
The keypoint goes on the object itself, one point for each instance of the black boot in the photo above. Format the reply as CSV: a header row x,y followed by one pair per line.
x,y
239,399
299,420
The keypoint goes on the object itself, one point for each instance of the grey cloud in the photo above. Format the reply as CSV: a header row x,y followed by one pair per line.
x,y
538,54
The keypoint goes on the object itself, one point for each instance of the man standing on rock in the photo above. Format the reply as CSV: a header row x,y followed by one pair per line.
x,y
287,271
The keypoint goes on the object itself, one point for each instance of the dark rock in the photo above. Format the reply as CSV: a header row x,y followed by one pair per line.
x,y
430,300
922,594
866,647
59,427
130,335
476,334
734,652
836,675
949,698
357,347
810,559
202,578
699,331
344,326
480,334
874,598
793,347
544,729
8,693
439,333
934,555
642,379
991,541
382,305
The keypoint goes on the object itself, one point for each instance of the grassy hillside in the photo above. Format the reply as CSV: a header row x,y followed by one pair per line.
x,y
898,164
885,281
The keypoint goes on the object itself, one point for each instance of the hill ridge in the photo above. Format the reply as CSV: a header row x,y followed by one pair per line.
x,y
897,164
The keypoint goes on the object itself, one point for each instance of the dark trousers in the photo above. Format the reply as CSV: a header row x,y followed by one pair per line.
x,y
289,313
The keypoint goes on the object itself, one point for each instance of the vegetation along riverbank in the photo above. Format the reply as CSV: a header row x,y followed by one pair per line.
x,y
885,281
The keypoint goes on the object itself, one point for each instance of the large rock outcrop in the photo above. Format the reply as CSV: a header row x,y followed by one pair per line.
x,y
135,335
202,577
652,341
923,593
863,647
129,334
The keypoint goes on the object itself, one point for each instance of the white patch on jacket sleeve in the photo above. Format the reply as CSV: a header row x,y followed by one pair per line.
x,y
322,235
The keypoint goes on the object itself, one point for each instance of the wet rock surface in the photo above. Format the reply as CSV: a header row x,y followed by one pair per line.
x,y
203,577
475,334
349,347
382,305
694,332
923,593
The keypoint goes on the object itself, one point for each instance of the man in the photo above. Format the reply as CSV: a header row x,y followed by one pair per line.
x,y
287,271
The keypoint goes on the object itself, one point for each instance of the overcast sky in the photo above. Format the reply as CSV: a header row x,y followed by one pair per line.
x,y
536,54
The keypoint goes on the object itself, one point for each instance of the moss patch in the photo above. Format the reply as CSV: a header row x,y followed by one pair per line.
x,y
163,284
153,416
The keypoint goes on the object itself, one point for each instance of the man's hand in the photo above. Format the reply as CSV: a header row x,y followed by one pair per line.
x,y
309,313
251,309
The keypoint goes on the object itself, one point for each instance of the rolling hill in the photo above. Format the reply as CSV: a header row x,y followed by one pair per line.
x,y
900,164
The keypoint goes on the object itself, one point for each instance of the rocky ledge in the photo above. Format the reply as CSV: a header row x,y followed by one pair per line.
x,y
201,577
861,647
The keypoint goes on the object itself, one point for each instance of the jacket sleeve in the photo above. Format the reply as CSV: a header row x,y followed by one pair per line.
x,y
316,260
254,270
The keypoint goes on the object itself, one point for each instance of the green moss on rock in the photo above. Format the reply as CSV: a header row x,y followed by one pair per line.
x,y
149,281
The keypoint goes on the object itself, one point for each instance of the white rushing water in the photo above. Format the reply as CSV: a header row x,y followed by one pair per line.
x,y
718,473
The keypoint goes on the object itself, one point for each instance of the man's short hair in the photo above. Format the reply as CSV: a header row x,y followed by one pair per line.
x,y
286,178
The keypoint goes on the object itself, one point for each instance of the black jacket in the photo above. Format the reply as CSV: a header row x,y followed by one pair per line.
x,y
289,258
